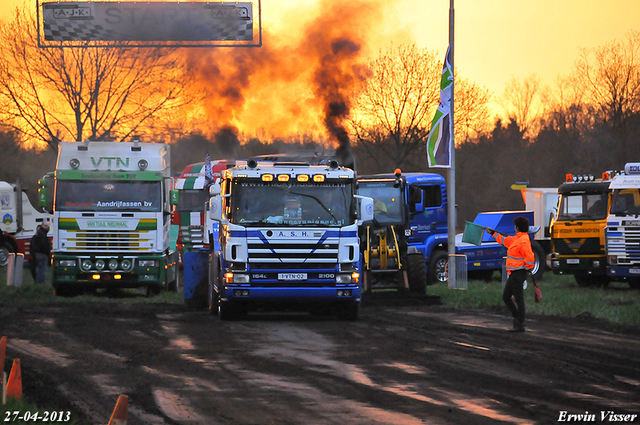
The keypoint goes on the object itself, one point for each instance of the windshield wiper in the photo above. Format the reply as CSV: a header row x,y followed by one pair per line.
x,y
315,199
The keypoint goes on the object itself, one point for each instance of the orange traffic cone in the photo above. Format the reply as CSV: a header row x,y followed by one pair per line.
x,y
14,384
3,352
119,416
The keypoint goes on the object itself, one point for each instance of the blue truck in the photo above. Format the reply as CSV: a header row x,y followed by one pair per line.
x,y
412,208
288,234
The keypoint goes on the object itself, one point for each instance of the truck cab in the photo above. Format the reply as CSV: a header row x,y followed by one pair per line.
x,y
288,239
577,233
622,232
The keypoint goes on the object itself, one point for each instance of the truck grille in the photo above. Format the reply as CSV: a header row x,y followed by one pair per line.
x,y
99,240
192,234
285,255
628,252
573,246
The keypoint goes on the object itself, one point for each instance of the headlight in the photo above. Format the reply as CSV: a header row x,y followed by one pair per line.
x,y
126,265
148,263
240,278
67,263
344,278
86,265
113,264
100,264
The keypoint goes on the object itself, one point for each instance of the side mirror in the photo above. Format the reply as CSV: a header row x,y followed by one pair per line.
x,y
365,210
214,189
45,200
215,208
174,196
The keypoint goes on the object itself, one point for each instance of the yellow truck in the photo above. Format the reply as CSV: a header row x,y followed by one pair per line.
x,y
577,233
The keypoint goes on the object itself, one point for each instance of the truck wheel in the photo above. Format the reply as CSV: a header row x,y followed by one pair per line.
x,y
152,291
417,273
437,267
541,262
5,250
634,282
214,262
349,312
64,291
173,285
227,311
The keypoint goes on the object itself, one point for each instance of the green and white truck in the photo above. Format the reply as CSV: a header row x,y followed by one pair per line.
x,y
111,217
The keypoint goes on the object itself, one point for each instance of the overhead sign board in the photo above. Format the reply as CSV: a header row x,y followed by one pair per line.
x,y
149,21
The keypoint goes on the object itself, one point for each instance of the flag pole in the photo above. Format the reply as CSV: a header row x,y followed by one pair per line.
x,y
452,170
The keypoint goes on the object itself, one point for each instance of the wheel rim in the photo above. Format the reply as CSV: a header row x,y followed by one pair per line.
x,y
4,256
441,267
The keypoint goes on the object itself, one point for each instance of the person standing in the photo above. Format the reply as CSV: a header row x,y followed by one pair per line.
x,y
520,263
40,249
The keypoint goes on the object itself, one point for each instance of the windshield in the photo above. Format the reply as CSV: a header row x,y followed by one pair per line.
x,y
108,196
192,200
582,206
387,207
291,203
625,202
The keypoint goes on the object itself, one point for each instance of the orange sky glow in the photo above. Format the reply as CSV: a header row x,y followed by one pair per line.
x,y
495,40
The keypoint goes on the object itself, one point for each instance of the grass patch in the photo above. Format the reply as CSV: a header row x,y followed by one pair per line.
x,y
616,303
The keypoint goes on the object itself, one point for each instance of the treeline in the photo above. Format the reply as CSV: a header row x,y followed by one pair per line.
x,y
486,169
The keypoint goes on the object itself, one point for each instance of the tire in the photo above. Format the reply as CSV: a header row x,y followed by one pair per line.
x,y
213,277
416,273
173,285
5,250
349,313
152,290
64,291
541,261
634,282
227,311
437,267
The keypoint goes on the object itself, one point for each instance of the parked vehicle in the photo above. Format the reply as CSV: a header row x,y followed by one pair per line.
x,y
622,233
577,233
190,197
18,221
424,198
111,217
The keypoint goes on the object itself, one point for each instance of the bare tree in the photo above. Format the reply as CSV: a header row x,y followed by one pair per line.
x,y
519,101
609,78
54,94
471,115
393,109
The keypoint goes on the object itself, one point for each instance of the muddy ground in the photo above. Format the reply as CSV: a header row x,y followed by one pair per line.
x,y
403,362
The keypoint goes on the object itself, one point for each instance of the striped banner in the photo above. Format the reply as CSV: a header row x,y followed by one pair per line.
x,y
441,135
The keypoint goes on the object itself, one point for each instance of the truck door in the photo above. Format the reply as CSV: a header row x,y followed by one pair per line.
x,y
427,211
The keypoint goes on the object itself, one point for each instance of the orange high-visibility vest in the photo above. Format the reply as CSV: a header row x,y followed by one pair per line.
x,y
519,253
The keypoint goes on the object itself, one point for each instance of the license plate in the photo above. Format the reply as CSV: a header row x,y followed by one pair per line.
x,y
634,271
573,261
292,276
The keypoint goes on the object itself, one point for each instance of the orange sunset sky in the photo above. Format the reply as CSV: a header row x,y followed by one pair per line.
x,y
495,40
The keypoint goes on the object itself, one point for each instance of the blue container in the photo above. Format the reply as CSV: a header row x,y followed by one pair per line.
x,y
196,277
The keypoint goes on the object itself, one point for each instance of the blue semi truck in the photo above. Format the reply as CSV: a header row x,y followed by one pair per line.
x,y
410,211
288,234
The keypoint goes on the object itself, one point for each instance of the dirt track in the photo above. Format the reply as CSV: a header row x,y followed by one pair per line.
x,y
400,363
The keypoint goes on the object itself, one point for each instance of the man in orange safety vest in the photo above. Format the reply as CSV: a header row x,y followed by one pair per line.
x,y
520,262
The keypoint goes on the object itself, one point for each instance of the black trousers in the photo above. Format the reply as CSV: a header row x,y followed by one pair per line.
x,y
514,288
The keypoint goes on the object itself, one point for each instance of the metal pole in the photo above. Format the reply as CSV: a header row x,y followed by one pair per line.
x,y
452,170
